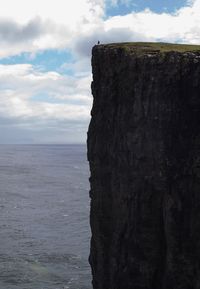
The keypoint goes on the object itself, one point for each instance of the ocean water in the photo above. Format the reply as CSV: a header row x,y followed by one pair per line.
x,y
44,217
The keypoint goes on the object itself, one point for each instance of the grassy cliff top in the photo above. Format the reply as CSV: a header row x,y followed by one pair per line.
x,y
153,47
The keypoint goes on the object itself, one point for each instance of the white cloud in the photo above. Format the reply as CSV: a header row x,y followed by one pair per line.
x,y
118,2
12,32
58,11
40,24
183,26
28,93
34,98
43,24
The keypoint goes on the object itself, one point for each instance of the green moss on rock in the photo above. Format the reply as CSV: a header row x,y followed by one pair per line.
x,y
153,47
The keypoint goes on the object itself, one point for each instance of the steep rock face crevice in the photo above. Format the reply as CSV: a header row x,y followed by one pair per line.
x,y
144,155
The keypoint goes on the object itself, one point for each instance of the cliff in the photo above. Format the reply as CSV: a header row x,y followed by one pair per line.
x,y
144,155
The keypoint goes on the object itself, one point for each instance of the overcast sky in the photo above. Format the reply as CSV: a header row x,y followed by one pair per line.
x,y
45,50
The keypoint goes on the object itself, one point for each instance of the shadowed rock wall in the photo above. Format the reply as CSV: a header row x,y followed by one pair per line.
x,y
144,155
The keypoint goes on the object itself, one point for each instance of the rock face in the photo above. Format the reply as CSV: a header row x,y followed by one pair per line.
x,y
144,155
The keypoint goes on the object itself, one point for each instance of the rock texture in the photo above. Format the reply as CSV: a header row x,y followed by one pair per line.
x,y
144,155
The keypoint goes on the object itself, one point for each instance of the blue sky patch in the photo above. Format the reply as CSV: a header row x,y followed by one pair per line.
x,y
157,6
48,60
45,97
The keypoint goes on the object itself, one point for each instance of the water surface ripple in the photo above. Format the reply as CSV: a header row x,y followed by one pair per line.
x,y
44,217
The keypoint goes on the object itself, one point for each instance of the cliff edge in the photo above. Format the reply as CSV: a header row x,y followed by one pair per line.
x,y
144,156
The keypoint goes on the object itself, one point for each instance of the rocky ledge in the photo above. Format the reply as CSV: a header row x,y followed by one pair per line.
x,y
144,156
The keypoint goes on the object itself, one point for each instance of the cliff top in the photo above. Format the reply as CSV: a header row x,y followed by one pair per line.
x,y
152,47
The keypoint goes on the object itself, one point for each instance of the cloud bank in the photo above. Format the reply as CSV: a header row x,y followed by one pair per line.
x,y
35,100
67,25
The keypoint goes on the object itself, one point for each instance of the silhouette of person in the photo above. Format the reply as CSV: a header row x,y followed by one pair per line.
x,y
98,42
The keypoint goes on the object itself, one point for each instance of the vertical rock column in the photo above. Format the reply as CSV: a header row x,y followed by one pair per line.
x,y
144,156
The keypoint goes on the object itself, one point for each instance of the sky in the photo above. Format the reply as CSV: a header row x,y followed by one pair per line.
x,y
45,58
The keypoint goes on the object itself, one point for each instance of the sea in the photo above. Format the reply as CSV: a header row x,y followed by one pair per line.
x,y
44,217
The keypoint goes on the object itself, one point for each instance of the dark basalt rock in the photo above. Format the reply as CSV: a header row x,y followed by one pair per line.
x,y
144,155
